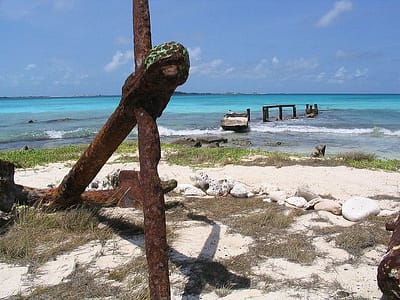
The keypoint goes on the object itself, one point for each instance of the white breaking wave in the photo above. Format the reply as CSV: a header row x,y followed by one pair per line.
x,y
185,132
55,134
314,129
59,134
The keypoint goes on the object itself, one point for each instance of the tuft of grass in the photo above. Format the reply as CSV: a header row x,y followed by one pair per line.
x,y
36,236
272,219
181,155
127,147
83,285
356,156
296,248
128,152
358,237
136,267
363,160
355,239
34,157
224,290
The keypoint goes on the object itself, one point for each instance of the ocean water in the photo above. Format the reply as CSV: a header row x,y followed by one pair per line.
x,y
368,123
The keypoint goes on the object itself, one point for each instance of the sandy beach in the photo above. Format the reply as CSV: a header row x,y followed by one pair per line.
x,y
331,275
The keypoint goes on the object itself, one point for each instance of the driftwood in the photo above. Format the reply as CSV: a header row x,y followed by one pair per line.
x,y
389,269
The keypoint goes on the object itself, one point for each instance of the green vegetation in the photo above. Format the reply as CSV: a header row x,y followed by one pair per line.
x,y
180,155
203,157
36,236
34,157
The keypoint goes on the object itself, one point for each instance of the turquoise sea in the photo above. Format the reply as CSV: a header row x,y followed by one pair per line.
x,y
368,123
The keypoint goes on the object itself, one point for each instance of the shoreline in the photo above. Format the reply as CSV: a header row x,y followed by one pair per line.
x,y
220,155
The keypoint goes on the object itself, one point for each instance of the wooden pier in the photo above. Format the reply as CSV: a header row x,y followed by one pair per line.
x,y
311,111
280,107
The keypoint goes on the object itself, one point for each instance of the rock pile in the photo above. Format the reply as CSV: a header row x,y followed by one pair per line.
x,y
207,185
353,209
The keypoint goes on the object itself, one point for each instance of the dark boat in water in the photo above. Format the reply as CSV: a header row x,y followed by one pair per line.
x,y
238,122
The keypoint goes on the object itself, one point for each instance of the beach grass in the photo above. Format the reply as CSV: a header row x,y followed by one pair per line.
x,y
203,157
36,236
36,157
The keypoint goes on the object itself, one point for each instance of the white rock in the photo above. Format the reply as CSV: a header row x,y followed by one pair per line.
x,y
358,208
180,188
227,184
328,205
250,195
193,192
201,180
240,190
334,219
267,189
296,201
310,204
214,189
277,196
189,190
305,192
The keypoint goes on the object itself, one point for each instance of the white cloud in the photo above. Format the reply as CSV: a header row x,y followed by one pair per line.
x,y
339,8
123,40
195,53
119,59
343,54
275,60
302,63
321,76
207,68
21,9
63,5
229,70
30,67
342,74
361,73
261,65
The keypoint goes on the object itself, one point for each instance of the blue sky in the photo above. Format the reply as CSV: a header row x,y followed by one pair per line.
x,y
76,47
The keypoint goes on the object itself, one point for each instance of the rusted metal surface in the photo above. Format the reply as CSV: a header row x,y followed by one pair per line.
x,y
129,181
141,31
152,198
389,269
145,94
149,88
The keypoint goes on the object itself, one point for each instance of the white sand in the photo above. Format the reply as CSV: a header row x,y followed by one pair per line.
x,y
339,182
200,240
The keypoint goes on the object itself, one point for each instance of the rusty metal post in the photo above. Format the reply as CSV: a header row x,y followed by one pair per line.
x,y
153,205
141,31
145,94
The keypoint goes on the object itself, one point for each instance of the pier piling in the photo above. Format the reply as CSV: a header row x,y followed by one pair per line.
x,y
280,111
